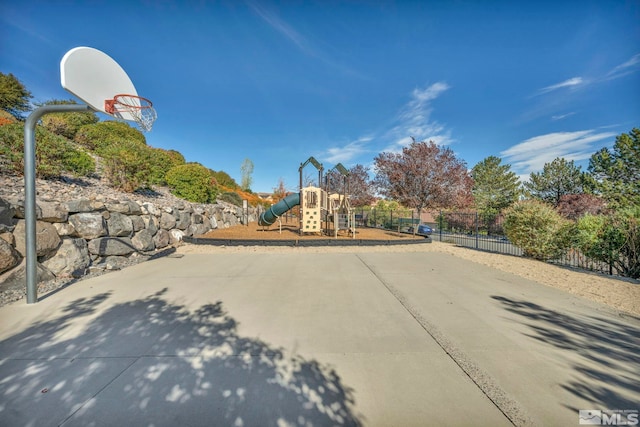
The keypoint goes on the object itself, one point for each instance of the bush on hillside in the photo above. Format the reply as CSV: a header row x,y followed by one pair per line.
x,y
192,182
55,155
160,162
126,165
67,124
231,197
225,180
99,136
6,118
613,239
537,229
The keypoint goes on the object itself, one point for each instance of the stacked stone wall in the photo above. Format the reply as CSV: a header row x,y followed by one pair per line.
x,y
79,236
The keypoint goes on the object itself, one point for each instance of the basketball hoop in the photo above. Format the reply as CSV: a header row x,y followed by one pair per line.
x,y
132,107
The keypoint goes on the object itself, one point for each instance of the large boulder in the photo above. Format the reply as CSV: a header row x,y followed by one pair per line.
x,y
64,228
53,212
167,221
197,218
107,246
161,239
89,225
213,222
196,230
9,257
7,211
184,220
143,241
175,236
84,205
137,222
231,219
17,277
126,207
150,209
71,259
119,225
150,223
112,263
19,209
47,239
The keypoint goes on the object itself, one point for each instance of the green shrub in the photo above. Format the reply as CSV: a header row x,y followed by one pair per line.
x,y
54,154
79,163
160,162
537,229
613,239
231,197
192,182
6,118
99,136
225,180
67,124
126,165
12,147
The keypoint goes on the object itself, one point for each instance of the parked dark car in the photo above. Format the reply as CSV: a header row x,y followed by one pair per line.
x,y
422,229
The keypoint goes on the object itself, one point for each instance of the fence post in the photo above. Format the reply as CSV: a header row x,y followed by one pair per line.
x,y
391,221
440,225
610,260
476,230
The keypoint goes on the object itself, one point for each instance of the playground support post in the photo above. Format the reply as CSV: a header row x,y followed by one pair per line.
x,y
30,190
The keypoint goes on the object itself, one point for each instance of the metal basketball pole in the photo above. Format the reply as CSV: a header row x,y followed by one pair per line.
x,y
30,190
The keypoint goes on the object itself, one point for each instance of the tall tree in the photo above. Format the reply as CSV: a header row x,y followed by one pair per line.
x,y
616,172
424,175
361,187
495,186
557,179
14,96
279,192
246,170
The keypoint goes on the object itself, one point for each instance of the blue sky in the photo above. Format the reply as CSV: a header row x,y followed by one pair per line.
x,y
277,82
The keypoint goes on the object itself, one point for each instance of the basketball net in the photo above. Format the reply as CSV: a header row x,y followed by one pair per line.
x,y
135,108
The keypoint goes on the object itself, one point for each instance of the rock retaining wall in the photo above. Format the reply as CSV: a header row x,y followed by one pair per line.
x,y
79,236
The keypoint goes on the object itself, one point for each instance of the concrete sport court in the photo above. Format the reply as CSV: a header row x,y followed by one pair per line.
x,y
313,339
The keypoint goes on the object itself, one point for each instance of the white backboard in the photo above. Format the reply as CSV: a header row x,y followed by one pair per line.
x,y
93,76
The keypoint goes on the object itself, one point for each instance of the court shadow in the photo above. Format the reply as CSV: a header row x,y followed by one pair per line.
x,y
605,354
151,362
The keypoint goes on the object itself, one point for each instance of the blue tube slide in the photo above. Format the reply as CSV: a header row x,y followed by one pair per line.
x,y
270,216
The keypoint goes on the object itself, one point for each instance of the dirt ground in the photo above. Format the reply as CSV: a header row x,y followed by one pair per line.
x,y
289,230
618,293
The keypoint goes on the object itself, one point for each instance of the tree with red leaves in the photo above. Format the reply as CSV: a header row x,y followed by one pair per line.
x,y
424,176
574,206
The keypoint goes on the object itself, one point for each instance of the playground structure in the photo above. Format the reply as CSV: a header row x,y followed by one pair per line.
x,y
322,210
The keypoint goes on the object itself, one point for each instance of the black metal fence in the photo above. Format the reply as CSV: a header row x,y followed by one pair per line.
x,y
471,230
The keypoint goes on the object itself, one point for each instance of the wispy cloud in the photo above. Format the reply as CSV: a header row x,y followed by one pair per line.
x,y
412,120
282,27
348,152
562,116
299,40
572,82
531,155
630,66
625,68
